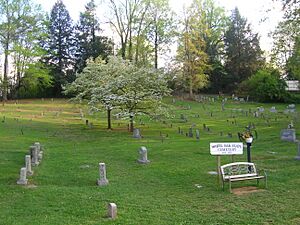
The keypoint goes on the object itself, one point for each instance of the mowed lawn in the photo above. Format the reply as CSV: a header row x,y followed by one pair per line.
x,y
175,188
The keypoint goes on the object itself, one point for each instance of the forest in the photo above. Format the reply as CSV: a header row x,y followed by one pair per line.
x,y
216,53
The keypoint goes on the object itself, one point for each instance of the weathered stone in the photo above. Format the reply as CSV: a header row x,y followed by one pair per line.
x,y
288,135
102,173
143,153
197,134
22,180
190,132
34,155
136,133
273,109
29,171
112,210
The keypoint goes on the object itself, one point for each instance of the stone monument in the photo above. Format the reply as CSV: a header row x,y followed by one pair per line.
x,y
102,173
29,172
112,210
143,155
22,180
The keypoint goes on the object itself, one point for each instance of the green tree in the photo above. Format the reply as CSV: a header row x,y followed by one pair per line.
x,y
293,63
162,26
119,85
89,44
243,53
191,56
264,86
60,46
18,22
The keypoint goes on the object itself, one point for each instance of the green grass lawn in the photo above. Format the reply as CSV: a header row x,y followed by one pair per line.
x,y
175,188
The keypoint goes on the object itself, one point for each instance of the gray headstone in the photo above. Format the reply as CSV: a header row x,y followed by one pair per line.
x,y
273,109
143,154
34,155
288,135
197,134
136,133
190,132
29,171
22,180
102,173
112,210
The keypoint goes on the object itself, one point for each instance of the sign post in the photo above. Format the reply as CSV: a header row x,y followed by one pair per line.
x,y
227,148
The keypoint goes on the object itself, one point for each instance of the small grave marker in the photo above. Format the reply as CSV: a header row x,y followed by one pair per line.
x,y
112,210
22,180
102,173
143,153
288,135
29,172
136,133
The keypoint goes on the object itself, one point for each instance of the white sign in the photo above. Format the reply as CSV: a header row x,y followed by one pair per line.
x,y
228,148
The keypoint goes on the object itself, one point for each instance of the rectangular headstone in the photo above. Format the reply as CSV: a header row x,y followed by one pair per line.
x,y
112,210
288,135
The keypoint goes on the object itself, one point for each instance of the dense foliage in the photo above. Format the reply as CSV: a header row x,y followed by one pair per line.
x,y
265,86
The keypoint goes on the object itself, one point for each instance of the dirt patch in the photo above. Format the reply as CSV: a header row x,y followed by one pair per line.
x,y
246,190
30,186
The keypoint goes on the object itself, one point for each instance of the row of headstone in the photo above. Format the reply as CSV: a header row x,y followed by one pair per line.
x,y
33,159
290,108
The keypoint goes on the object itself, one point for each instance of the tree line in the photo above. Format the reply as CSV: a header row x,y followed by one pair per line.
x,y
216,53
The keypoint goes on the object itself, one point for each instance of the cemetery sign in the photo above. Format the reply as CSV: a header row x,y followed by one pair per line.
x,y
227,148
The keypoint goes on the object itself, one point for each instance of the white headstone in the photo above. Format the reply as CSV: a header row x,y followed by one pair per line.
x,y
143,155
112,210
22,180
136,133
28,165
102,173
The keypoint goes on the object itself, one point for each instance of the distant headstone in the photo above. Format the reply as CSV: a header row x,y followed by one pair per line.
x,y
29,171
190,132
136,133
112,210
102,173
143,153
34,155
260,109
197,134
39,149
288,135
22,180
273,109
182,117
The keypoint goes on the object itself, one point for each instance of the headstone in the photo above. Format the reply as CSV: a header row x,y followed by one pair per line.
x,y
288,135
102,173
190,132
29,172
136,133
22,180
40,152
143,155
112,210
260,109
34,155
273,109
197,134
182,117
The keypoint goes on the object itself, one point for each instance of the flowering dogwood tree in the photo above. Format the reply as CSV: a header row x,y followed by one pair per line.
x,y
121,85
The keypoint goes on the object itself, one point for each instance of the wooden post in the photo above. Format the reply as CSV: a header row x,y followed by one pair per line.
x,y
218,167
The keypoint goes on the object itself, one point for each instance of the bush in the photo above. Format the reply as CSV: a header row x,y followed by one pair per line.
x,y
265,86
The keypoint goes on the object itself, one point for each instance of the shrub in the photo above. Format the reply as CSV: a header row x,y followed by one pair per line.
x,y
265,86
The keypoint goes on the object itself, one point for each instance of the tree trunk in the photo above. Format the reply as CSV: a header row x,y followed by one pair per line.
x,y
5,74
191,90
109,119
131,124
156,49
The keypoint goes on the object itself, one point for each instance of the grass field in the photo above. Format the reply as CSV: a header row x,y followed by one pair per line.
x,y
175,188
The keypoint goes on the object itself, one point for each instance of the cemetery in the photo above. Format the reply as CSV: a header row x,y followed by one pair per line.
x,y
162,173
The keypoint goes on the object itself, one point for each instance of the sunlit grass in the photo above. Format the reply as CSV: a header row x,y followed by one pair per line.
x,y
175,188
